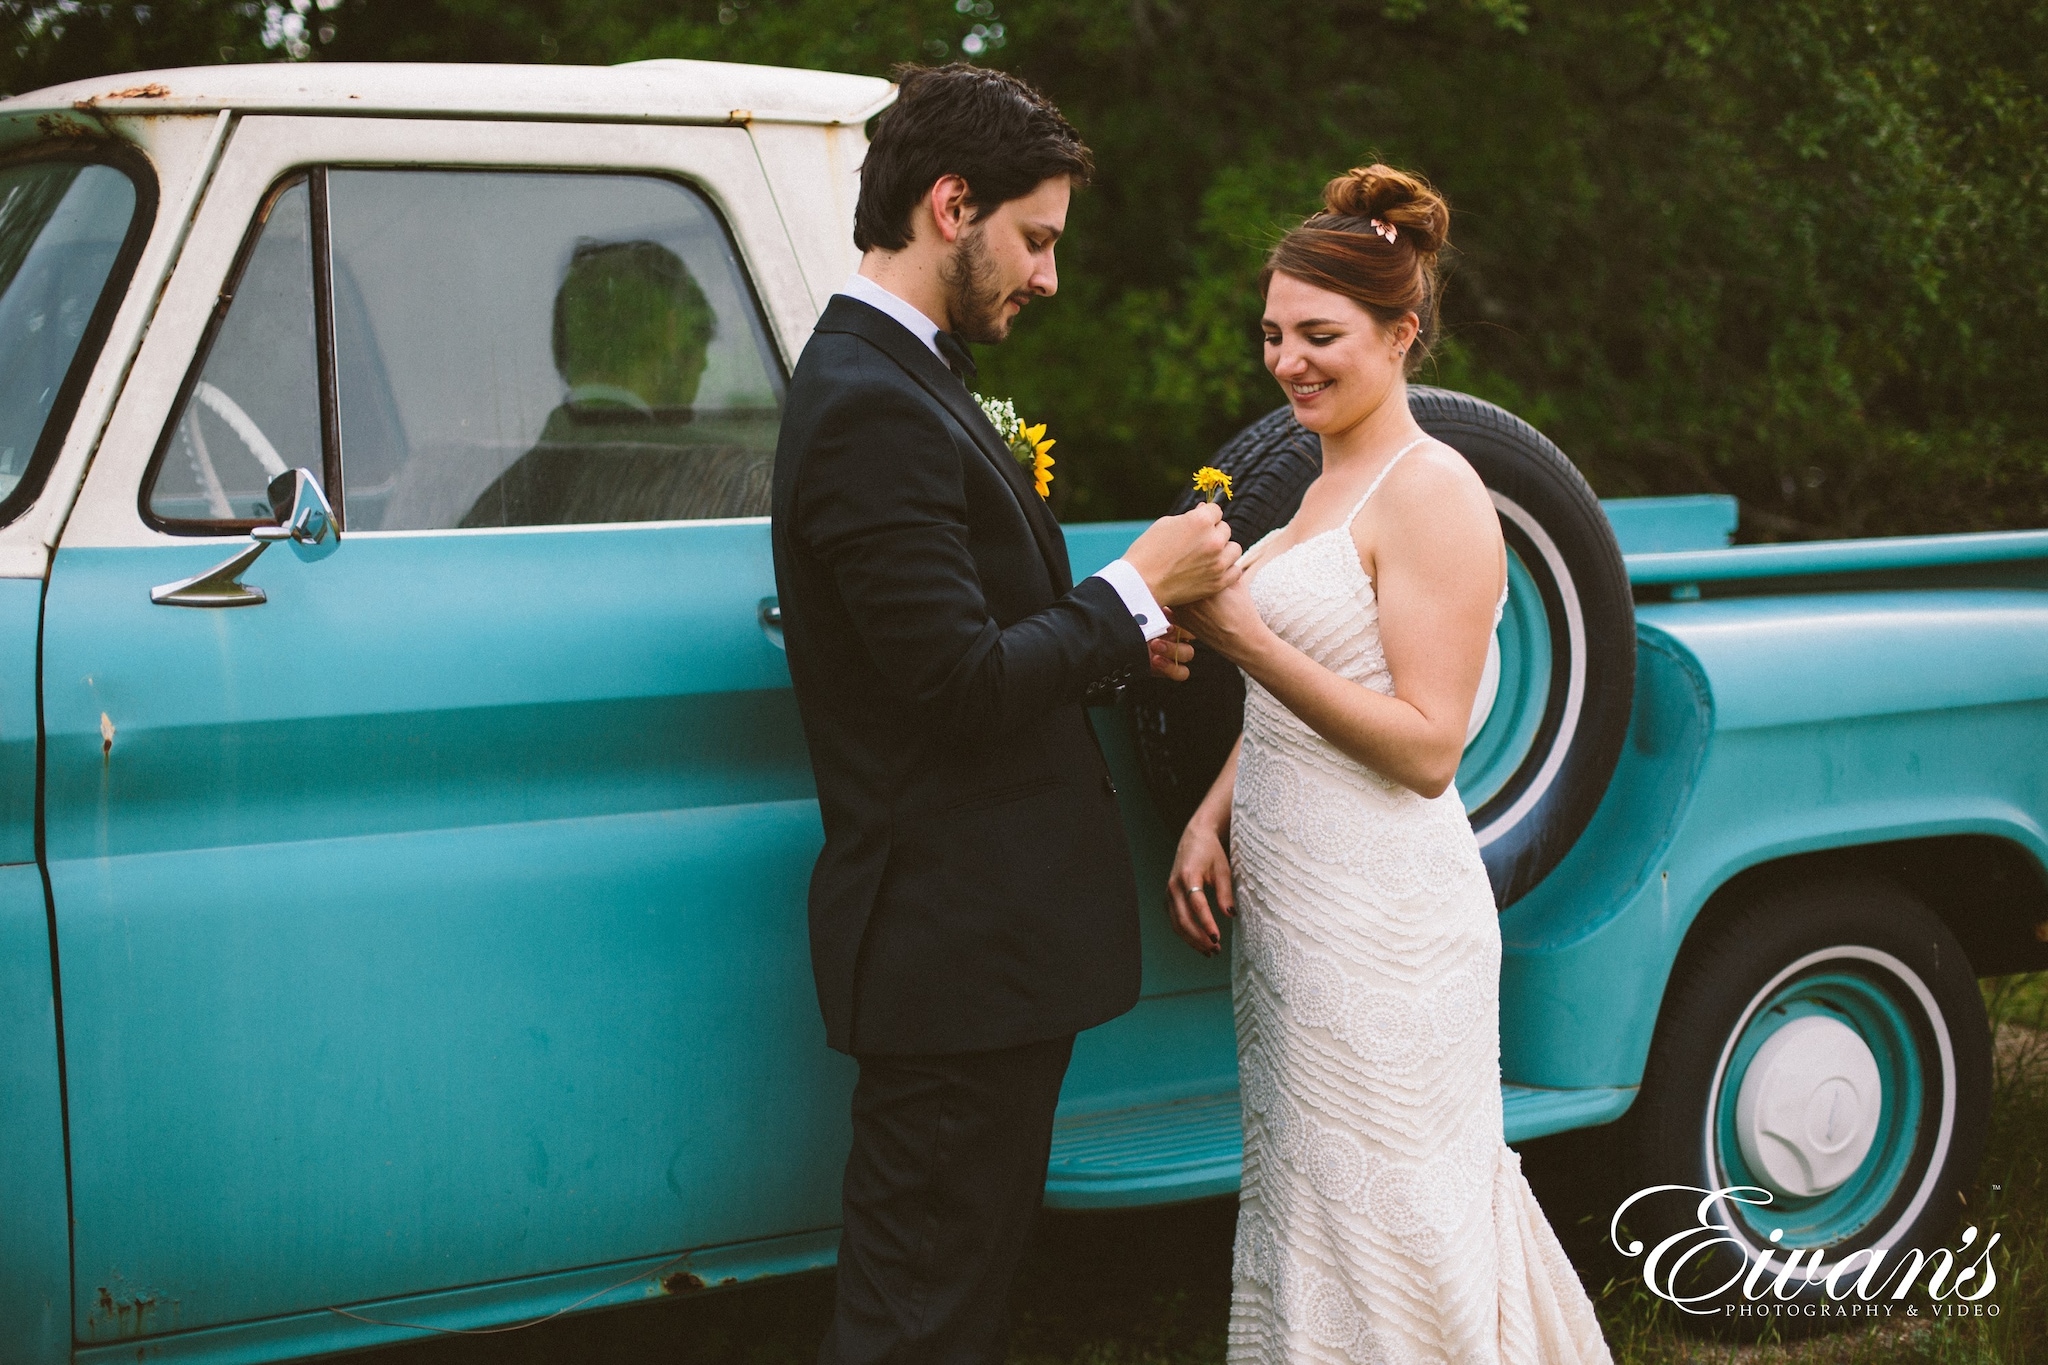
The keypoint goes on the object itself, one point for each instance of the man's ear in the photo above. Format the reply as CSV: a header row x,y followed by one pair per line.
x,y
948,202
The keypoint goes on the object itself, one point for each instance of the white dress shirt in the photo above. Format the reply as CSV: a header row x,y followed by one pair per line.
x,y
914,322
1128,582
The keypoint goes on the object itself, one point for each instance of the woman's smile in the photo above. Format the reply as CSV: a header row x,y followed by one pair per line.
x,y
1302,389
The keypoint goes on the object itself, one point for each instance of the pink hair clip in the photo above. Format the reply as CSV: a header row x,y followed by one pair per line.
x,y
1385,230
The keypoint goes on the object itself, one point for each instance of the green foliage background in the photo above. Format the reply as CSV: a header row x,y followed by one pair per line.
x,y
1787,249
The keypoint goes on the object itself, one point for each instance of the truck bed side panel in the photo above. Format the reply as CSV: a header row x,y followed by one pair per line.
x,y
1836,720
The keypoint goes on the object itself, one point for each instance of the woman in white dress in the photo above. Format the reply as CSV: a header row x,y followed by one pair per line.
x,y
1382,1218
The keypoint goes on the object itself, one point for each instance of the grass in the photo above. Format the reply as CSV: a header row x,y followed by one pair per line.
x,y
1152,1287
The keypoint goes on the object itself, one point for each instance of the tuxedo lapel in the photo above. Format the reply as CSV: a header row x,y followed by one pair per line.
x,y
953,395
845,314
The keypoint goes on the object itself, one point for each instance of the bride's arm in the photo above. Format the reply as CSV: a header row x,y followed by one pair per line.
x,y
1437,575
1202,861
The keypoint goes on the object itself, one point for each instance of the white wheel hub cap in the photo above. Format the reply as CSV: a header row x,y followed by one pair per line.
x,y
1808,1108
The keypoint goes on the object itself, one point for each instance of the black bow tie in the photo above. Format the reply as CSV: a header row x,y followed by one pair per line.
x,y
954,352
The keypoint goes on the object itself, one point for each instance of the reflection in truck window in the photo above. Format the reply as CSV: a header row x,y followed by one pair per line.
x,y
632,335
62,224
521,349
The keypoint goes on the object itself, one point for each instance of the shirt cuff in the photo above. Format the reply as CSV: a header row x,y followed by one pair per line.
x,y
1130,585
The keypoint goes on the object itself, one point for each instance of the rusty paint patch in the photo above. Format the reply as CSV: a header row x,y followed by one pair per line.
x,y
106,737
689,1282
58,125
152,91
121,1312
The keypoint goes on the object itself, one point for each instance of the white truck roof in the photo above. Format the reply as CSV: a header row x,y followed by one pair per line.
x,y
661,91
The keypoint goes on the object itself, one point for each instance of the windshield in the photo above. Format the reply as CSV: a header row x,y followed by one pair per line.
x,y
62,225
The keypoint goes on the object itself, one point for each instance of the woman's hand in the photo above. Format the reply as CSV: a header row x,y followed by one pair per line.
x,y
1227,622
1200,862
1429,544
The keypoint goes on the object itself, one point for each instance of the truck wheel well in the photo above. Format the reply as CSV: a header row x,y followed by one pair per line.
x,y
1988,890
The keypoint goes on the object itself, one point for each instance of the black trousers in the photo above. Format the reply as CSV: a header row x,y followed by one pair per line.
x,y
944,1180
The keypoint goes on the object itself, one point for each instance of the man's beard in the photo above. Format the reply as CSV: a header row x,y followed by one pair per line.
x,y
973,297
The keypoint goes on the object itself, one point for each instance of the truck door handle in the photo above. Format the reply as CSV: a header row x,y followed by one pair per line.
x,y
303,517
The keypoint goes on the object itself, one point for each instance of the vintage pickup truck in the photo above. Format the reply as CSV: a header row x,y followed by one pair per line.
x,y
404,821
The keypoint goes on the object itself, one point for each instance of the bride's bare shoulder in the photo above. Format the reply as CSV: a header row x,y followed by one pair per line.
x,y
1436,487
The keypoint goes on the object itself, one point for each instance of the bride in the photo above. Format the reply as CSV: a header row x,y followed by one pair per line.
x,y
1383,1218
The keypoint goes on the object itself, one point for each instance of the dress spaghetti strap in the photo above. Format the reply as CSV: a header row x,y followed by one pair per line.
x,y
1381,478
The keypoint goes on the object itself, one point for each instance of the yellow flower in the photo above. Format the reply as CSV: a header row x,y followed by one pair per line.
x,y
1027,444
1212,481
1041,463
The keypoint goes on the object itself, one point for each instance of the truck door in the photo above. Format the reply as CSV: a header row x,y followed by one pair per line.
x,y
73,221
430,910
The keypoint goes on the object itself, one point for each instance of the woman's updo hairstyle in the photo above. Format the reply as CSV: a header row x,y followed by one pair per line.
x,y
1376,243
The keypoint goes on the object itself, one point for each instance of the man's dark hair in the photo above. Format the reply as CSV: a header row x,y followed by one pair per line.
x,y
987,127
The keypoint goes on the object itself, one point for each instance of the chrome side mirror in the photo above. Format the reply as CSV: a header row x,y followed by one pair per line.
x,y
304,518
302,511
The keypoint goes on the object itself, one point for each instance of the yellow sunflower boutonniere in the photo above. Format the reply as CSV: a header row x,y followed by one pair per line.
x,y
1028,445
1212,483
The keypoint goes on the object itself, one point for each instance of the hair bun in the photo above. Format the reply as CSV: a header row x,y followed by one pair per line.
x,y
1407,202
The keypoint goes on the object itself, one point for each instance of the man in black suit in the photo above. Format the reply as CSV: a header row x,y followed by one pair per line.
x,y
974,905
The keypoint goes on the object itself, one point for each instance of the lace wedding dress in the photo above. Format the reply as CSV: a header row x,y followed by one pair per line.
x,y
1383,1220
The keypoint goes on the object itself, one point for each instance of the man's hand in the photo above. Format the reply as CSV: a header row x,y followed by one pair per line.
x,y
1186,558
1171,653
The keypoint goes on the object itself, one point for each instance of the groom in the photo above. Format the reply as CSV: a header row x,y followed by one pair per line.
x,y
974,906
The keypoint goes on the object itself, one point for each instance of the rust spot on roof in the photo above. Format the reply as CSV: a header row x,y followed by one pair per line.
x,y
152,91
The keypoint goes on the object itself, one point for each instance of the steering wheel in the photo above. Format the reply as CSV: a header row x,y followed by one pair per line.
x,y
245,429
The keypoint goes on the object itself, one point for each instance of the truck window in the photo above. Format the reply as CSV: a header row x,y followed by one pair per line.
x,y
508,349
253,411
523,349
69,231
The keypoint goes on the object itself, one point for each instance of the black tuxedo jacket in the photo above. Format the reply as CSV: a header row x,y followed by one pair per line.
x,y
975,888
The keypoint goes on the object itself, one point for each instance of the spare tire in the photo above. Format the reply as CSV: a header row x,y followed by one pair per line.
x,y
1562,671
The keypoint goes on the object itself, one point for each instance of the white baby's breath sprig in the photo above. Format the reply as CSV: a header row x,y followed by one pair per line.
x,y
1002,415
